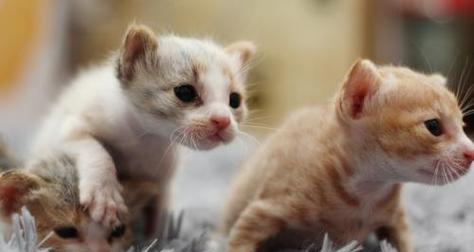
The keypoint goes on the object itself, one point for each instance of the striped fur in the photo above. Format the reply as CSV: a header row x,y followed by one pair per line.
x,y
49,190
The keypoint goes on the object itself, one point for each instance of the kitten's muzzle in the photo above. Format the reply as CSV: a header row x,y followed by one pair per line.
x,y
220,125
220,122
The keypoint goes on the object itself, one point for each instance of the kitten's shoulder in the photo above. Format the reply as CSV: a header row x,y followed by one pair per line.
x,y
307,116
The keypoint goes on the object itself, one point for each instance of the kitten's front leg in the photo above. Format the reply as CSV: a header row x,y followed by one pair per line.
x,y
99,189
258,222
398,234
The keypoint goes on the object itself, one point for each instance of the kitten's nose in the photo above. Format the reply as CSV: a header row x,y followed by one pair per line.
x,y
469,155
221,122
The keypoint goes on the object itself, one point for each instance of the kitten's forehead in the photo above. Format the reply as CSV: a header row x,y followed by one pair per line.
x,y
214,70
418,90
191,52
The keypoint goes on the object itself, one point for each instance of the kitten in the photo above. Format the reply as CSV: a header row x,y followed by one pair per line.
x,y
125,118
49,190
338,168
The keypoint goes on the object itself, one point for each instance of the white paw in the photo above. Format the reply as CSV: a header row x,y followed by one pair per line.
x,y
103,200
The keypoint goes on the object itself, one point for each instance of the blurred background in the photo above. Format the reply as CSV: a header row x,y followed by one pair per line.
x,y
305,46
305,49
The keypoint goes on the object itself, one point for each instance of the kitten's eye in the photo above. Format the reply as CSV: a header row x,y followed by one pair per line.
x,y
185,92
66,232
434,127
234,100
118,231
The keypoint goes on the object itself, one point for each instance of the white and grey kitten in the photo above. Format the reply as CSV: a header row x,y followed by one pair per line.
x,y
125,118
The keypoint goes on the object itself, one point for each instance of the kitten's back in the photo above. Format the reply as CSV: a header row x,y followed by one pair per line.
x,y
303,125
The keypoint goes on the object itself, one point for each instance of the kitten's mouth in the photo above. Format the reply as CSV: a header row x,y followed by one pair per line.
x,y
220,137
207,140
216,137
445,173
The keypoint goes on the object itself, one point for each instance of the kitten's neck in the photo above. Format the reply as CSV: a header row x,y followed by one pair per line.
x,y
373,176
123,116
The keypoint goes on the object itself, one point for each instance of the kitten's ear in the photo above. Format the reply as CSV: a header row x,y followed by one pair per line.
x,y
242,51
362,81
16,190
139,44
438,79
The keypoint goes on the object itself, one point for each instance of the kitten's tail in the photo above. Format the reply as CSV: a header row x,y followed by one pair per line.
x,y
7,160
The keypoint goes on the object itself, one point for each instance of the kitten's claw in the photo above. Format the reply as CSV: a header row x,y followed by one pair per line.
x,y
104,202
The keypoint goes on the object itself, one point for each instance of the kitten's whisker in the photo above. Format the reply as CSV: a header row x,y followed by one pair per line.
x,y
435,178
454,168
453,62
177,132
436,175
468,108
461,79
254,139
182,137
448,175
424,57
257,127
164,154
445,176
450,171
468,113
194,141
467,95
46,238
254,118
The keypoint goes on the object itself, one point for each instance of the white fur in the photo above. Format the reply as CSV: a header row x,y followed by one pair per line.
x,y
97,104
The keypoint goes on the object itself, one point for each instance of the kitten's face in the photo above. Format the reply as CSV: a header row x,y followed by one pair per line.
x,y
416,122
57,216
191,91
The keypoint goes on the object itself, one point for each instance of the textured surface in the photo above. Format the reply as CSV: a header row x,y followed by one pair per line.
x,y
441,218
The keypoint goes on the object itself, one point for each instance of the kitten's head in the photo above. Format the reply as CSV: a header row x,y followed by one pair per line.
x,y
187,89
59,218
409,122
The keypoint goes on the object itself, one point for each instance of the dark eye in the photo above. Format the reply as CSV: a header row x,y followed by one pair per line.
x,y
434,127
118,231
234,100
66,232
185,92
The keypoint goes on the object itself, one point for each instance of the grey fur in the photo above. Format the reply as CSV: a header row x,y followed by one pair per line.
x,y
60,171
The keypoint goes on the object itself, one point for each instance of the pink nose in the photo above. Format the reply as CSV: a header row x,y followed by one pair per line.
x,y
469,155
220,122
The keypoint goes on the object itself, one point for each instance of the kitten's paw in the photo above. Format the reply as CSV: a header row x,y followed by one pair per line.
x,y
103,201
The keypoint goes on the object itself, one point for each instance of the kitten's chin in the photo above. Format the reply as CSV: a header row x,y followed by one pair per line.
x,y
210,142
442,175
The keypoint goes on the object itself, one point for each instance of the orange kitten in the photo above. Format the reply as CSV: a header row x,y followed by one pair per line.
x,y
337,169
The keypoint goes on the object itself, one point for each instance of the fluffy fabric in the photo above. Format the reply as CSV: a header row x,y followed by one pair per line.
x,y
441,218
24,239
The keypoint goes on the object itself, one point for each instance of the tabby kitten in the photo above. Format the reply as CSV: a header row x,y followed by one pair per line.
x,y
49,190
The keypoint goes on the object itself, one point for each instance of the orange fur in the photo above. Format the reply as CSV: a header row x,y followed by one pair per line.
x,y
337,168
